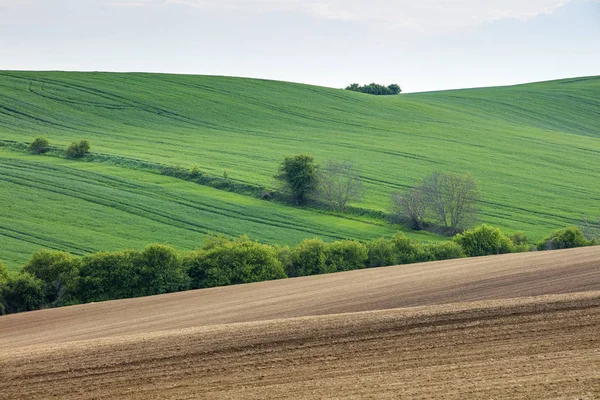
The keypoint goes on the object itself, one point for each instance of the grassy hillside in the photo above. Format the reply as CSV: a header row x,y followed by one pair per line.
x,y
534,148
86,207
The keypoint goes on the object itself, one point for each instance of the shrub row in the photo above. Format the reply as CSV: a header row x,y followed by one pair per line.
x,y
56,278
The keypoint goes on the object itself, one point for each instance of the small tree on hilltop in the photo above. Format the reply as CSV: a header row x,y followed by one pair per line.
x,y
298,175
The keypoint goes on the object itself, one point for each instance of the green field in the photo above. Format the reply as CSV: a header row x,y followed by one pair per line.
x,y
535,149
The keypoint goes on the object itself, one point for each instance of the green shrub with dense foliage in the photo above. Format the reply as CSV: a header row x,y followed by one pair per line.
x,y
484,240
309,257
39,146
228,262
23,292
566,238
78,149
58,271
346,255
56,278
155,270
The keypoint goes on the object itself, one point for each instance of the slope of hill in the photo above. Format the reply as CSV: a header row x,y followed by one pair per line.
x,y
534,148
88,207
336,335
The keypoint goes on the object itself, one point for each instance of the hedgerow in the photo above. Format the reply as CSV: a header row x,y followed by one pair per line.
x,y
56,278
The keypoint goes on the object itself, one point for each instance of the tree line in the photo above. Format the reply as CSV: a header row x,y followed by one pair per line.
x,y
57,278
375,89
446,199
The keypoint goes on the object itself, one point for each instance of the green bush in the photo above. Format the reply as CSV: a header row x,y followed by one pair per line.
x,y
78,149
228,262
155,270
309,258
442,251
195,171
39,146
484,240
58,271
381,252
4,277
564,239
159,270
23,292
346,255
107,276
408,251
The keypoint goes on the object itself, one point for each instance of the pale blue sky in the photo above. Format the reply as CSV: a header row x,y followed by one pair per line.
x,y
421,45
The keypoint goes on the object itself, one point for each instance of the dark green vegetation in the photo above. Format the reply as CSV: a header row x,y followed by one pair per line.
x,y
298,174
39,146
55,278
376,89
534,149
78,149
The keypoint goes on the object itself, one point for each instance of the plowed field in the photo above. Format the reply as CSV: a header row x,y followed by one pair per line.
x,y
504,327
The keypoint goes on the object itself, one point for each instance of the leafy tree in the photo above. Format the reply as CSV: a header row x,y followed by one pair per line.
x,y
107,276
565,239
381,252
375,89
78,149
159,270
442,251
394,88
339,183
298,174
451,199
227,262
23,292
346,255
155,270
484,240
39,146
4,277
309,257
58,270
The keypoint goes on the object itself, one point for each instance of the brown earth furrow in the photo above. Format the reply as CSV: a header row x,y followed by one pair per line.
x,y
542,347
524,326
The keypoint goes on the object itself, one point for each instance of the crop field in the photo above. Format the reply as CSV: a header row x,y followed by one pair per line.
x,y
511,326
533,148
87,207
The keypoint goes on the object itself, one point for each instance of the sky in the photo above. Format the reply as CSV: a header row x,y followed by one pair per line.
x,y
421,45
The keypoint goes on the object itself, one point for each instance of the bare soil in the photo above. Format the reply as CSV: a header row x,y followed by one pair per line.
x,y
503,327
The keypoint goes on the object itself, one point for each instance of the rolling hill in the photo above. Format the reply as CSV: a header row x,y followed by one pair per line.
x,y
510,326
534,149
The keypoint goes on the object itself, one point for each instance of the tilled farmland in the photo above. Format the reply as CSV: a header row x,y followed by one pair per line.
x,y
502,327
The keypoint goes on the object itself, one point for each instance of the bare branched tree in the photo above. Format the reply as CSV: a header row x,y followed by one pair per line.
x,y
339,183
410,207
590,229
451,199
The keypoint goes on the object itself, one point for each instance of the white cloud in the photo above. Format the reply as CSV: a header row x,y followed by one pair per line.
x,y
422,15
